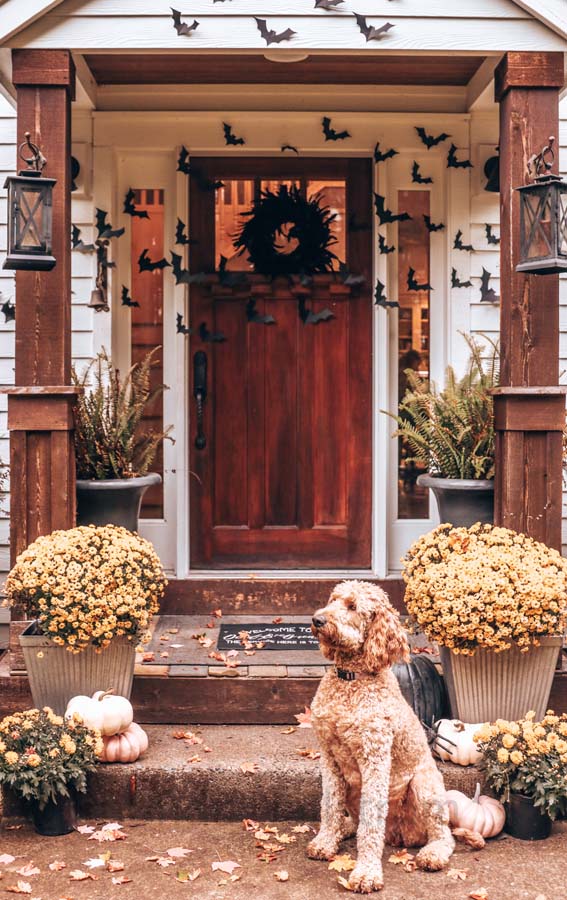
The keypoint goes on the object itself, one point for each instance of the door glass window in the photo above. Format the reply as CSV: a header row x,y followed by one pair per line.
x,y
333,195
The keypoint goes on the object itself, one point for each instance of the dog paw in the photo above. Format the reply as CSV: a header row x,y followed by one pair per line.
x,y
321,849
434,856
364,881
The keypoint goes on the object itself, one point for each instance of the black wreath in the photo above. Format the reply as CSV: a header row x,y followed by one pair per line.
x,y
310,223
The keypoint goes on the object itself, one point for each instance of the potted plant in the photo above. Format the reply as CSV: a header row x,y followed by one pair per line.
x,y
114,448
526,765
451,434
44,761
496,603
91,592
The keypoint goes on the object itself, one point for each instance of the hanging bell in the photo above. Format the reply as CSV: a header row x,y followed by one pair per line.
x,y
98,301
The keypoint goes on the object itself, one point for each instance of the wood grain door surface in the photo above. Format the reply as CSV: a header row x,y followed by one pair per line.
x,y
285,479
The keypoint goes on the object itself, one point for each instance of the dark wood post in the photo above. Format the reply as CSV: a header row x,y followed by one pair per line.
x,y
529,405
42,466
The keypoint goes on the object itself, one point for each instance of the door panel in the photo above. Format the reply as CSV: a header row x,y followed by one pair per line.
x,y
285,477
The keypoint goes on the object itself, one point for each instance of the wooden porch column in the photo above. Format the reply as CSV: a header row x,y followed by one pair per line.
x,y
529,406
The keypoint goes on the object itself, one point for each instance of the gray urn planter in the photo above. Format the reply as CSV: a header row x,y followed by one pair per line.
x,y
114,501
461,502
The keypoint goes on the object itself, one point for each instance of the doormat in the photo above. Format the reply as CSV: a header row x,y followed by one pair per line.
x,y
294,636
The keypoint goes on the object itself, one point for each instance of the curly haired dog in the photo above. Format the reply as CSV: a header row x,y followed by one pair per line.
x,y
376,763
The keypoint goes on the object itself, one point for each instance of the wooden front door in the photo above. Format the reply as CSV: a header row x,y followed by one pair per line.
x,y
284,478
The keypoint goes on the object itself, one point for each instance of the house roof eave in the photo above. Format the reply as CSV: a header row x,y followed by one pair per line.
x,y
15,15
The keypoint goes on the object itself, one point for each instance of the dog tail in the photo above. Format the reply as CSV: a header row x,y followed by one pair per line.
x,y
472,839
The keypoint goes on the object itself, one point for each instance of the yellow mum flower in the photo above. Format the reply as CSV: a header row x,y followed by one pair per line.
x,y
11,757
503,755
508,741
516,757
33,760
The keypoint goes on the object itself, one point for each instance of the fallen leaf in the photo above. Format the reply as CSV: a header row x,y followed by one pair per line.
x,y
111,832
210,625
114,865
193,875
228,866
270,847
148,657
164,655
266,857
57,865
250,824
195,759
6,859
121,879
217,614
304,718
249,768
457,874
262,835
249,653
97,862
164,637
289,730
79,875
85,829
480,894
163,861
400,857
277,620
344,883
285,839
231,879
282,875
342,863
308,753
22,887
301,829
178,852
173,630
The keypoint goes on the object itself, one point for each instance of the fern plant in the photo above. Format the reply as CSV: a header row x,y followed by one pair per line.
x,y
451,432
111,439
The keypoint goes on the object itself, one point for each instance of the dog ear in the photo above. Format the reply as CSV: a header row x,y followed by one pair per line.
x,y
386,641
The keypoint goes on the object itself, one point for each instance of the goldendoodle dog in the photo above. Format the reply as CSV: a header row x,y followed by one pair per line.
x,y
375,760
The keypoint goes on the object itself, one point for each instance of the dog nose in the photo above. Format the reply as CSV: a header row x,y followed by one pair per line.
x,y
319,621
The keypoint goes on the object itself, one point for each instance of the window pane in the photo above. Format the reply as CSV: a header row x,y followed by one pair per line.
x,y
413,335
147,321
333,195
235,198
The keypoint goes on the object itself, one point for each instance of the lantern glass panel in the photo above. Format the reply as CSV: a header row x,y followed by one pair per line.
x,y
538,223
32,217
562,213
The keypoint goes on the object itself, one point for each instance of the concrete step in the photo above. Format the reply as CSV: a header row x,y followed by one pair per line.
x,y
166,785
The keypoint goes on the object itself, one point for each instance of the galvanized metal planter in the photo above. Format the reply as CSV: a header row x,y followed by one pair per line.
x,y
56,675
489,686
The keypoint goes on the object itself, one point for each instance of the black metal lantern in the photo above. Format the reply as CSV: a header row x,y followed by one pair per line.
x,y
543,218
30,214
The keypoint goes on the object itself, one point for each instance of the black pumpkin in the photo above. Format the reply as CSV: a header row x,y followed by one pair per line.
x,y
423,688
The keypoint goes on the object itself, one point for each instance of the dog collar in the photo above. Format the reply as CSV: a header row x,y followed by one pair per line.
x,y
346,675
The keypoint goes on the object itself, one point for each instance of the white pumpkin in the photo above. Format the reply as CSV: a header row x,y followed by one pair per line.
x,y
126,747
103,711
90,711
454,742
483,815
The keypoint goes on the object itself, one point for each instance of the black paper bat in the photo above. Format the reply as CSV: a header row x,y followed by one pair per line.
x,y
78,244
180,327
104,229
289,147
145,264
417,177
210,337
354,226
130,207
382,157
9,310
414,285
431,226
369,32
271,36
183,276
182,27
385,216
380,297
490,237
230,138
458,243
180,236
456,281
308,317
429,140
229,279
253,315
487,294
383,246
203,183
327,4
454,163
126,298
348,278
182,161
331,134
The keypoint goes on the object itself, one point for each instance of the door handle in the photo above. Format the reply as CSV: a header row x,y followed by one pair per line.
x,y
200,394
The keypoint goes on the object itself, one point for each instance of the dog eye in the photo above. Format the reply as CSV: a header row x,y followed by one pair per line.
x,y
351,605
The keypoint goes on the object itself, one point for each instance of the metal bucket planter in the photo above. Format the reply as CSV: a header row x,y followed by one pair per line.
x,y
461,502
490,686
114,501
56,675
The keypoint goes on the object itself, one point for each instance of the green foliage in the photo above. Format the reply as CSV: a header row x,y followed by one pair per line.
x,y
451,432
111,440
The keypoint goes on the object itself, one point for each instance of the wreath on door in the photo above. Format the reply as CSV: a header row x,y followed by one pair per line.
x,y
287,234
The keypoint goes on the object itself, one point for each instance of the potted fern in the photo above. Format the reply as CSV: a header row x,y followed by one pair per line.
x,y
114,448
451,433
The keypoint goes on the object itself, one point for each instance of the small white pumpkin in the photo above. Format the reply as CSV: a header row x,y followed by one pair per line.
x,y
484,815
454,742
105,711
90,711
126,747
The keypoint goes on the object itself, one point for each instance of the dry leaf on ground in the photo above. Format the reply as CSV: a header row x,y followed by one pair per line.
x,y
277,620
249,768
57,865
85,829
304,718
121,879
22,887
28,870
148,657
217,614
285,839
178,852
291,729
185,875
250,824
282,875
342,863
344,883
114,865
301,829
480,894
228,866
97,862
400,857
79,875
457,874
6,859
195,759
308,753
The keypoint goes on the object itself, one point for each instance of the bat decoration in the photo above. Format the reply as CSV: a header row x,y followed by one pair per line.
x,y
9,310
454,163
229,279
431,226
183,276
105,231
289,147
369,32
429,140
269,35
182,28
230,138
414,285
417,177
308,317
331,134
210,337
385,216
487,294
456,281
126,298
380,297
78,244
383,247
180,236
354,226
145,264
490,237
203,183
458,243
180,327
382,157
348,278
327,4
253,315
182,161
130,207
